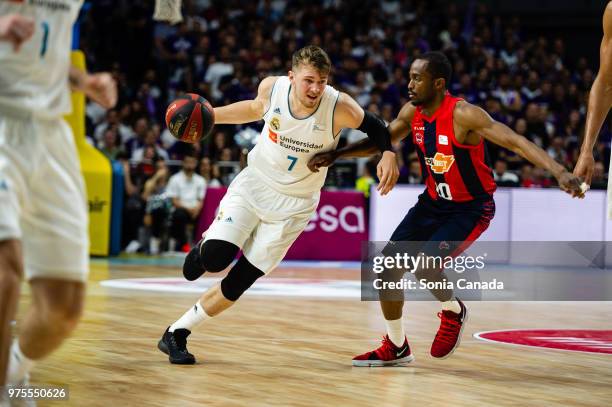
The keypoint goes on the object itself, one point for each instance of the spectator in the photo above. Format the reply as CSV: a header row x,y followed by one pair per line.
x,y
150,141
158,205
186,189
599,180
503,177
210,173
110,144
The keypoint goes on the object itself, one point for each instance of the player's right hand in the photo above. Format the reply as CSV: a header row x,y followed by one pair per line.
x,y
387,172
571,184
584,167
321,160
16,29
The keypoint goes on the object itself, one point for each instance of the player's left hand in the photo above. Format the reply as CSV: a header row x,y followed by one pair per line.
x,y
101,88
387,172
572,184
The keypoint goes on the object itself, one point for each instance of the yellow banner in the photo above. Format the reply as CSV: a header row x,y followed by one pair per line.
x,y
96,169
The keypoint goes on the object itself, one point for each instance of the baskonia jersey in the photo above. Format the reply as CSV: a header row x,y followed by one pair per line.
x,y
34,81
452,171
287,143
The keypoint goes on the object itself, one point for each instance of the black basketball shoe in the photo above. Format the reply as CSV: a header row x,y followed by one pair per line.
x,y
192,268
174,344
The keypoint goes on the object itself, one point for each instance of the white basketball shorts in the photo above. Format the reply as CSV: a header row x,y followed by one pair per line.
x,y
261,221
42,197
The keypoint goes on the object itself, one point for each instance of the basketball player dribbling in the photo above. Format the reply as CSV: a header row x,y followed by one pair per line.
x,y
271,201
43,209
600,101
457,205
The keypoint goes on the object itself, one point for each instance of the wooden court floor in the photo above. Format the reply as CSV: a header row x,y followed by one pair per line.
x,y
290,351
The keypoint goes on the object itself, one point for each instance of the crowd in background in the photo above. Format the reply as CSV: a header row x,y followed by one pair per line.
x,y
223,49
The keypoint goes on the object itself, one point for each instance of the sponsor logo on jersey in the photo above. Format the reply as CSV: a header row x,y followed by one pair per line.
x,y
273,136
442,139
440,163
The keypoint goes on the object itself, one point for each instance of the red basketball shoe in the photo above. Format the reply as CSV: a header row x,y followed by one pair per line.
x,y
449,334
387,355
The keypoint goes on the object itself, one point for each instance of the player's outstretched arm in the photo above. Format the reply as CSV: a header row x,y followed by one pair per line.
x,y
16,29
600,101
349,114
473,118
247,111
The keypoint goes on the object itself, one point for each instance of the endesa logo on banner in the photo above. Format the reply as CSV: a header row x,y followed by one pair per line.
x,y
329,218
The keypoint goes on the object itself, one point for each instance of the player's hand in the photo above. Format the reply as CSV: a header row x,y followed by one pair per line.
x,y
572,185
101,88
322,160
16,29
387,172
584,167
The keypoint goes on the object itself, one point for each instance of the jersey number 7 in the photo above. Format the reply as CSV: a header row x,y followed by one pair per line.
x,y
293,161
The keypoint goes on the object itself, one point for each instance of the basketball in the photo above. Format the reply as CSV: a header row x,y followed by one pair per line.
x,y
190,118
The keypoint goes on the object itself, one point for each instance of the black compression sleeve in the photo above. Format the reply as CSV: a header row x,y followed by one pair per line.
x,y
376,130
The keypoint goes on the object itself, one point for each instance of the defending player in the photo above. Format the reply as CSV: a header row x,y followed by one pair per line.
x,y
457,205
600,101
43,209
270,202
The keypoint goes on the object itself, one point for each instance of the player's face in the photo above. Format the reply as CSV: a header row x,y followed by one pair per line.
x,y
309,85
421,87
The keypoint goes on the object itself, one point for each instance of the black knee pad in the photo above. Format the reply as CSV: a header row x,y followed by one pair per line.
x,y
216,255
239,279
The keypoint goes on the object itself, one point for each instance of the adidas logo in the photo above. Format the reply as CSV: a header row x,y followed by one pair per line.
x,y
277,110
228,220
318,127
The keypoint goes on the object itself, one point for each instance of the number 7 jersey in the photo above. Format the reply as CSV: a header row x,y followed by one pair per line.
x,y
287,143
34,81
451,171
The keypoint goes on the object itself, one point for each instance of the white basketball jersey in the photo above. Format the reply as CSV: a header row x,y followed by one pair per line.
x,y
286,143
34,80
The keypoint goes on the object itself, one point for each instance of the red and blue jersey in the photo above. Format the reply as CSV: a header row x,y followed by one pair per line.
x,y
451,170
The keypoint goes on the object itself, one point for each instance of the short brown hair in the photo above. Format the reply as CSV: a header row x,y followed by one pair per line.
x,y
311,55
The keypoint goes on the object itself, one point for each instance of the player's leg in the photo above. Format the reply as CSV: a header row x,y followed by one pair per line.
x,y
417,226
224,238
458,232
11,271
16,155
55,245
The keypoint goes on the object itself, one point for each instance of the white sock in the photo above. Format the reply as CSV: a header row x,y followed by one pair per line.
x,y
19,364
190,319
451,305
395,331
